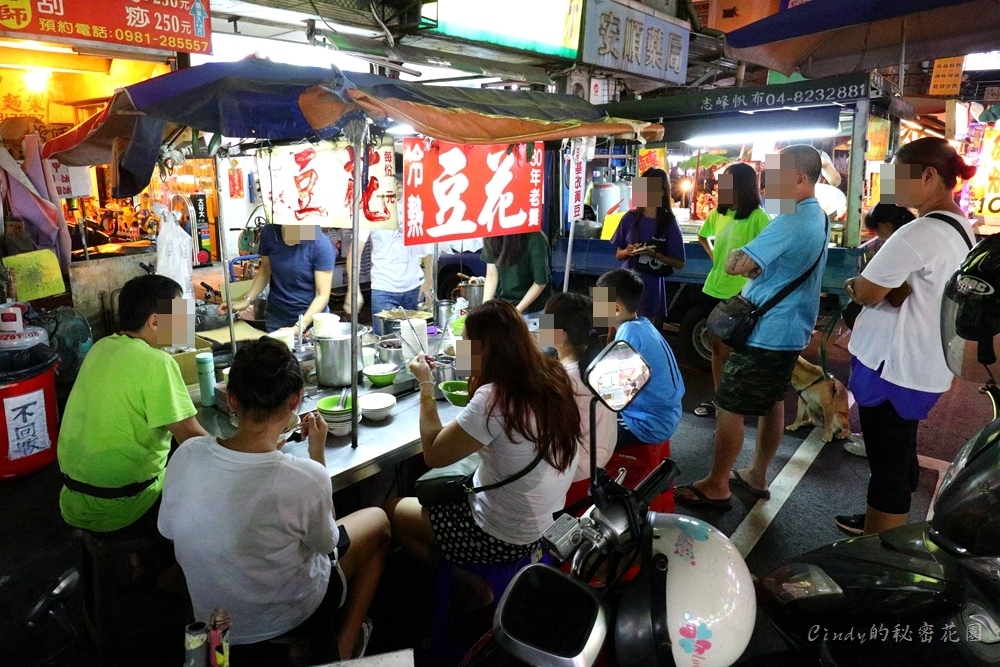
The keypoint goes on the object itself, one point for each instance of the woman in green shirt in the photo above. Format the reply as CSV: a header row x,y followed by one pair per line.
x,y
738,219
518,270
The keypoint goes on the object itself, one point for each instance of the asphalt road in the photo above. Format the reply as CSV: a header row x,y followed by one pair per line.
x,y
811,483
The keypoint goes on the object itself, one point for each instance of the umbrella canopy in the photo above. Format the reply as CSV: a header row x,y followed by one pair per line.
x,y
828,37
259,99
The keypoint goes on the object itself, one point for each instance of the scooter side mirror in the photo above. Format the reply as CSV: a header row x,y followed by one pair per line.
x,y
617,375
547,617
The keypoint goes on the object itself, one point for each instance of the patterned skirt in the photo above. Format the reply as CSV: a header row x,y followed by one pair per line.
x,y
461,540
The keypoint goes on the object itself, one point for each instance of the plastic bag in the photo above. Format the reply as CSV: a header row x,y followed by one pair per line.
x,y
173,254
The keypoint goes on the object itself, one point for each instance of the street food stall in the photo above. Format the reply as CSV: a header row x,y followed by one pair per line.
x,y
289,119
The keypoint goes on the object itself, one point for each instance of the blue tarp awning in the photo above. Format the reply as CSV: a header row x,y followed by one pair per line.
x,y
829,37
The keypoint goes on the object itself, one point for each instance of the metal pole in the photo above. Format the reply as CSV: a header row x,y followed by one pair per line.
x,y
856,176
572,223
357,133
902,58
221,233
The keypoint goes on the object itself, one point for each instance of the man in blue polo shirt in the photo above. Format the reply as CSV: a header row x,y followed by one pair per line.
x,y
755,379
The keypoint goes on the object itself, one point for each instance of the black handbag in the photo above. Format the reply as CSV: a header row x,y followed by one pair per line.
x,y
450,484
733,320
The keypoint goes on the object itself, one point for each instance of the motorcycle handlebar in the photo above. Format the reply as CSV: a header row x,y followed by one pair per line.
x,y
658,481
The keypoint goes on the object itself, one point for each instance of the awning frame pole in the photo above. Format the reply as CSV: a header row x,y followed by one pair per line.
x,y
221,235
856,175
572,223
357,133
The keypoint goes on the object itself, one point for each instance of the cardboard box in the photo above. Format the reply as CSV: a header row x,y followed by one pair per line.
x,y
187,363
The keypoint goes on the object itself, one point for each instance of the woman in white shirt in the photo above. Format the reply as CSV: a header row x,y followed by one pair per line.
x,y
254,529
522,410
898,366
568,326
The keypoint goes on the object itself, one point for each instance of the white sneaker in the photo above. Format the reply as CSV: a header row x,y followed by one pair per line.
x,y
855,447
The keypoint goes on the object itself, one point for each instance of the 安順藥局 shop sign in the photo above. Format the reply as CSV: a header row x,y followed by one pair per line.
x,y
624,39
454,192
164,25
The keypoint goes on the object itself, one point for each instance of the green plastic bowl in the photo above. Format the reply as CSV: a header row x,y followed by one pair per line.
x,y
332,404
450,390
376,373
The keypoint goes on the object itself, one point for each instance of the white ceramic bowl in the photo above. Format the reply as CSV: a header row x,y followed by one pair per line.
x,y
322,324
339,429
376,401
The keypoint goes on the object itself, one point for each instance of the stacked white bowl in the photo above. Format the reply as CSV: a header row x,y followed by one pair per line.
x,y
414,338
338,421
376,406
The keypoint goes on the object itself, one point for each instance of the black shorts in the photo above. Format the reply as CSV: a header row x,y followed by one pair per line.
x,y
754,379
319,626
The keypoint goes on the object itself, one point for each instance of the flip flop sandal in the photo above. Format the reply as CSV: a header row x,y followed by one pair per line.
x,y
700,499
706,409
737,480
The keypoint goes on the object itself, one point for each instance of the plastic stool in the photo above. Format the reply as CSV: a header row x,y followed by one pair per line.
x,y
116,610
497,575
638,460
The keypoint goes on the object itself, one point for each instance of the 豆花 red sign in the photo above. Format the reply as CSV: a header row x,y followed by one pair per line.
x,y
455,192
164,25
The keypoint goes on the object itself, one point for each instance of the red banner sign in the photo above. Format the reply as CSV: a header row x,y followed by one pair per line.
x,y
165,25
455,192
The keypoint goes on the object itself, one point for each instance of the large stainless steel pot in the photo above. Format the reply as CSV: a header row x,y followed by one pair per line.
x,y
472,293
333,356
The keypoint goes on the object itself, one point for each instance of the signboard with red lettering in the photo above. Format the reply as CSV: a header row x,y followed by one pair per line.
x,y
71,181
164,25
308,184
577,180
454,192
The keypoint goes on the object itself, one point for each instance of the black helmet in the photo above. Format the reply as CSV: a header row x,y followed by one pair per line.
x,y
970,314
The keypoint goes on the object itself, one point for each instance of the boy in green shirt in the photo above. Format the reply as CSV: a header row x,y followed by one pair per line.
x,y
128,400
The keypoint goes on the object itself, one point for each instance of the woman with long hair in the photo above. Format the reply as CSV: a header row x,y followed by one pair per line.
x,y
521,416
738,220
568,326
518,270
898,368
649,236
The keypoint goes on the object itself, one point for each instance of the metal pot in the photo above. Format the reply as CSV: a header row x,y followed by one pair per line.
x,y
444,370
472,293
588,229
333,357
444,312
390,355
391,325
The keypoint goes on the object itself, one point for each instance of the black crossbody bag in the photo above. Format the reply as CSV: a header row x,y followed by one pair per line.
x,y
449,484
733,320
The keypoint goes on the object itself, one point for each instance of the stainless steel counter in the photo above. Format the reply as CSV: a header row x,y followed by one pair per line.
x,y
381,445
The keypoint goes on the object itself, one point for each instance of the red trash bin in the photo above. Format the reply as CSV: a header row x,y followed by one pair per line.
x,y
28,426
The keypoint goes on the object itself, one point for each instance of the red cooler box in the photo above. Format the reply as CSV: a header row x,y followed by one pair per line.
x,y
28,429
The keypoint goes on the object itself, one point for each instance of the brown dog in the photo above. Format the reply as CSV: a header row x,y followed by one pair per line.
x,y
822,401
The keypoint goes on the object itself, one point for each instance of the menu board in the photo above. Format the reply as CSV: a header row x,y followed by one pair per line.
x,y
313,184
456,192
163,25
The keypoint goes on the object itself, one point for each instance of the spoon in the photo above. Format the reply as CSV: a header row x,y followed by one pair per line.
x,y
343,398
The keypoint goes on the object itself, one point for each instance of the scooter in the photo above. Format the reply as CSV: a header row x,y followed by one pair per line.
x,y
642,588
926,593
